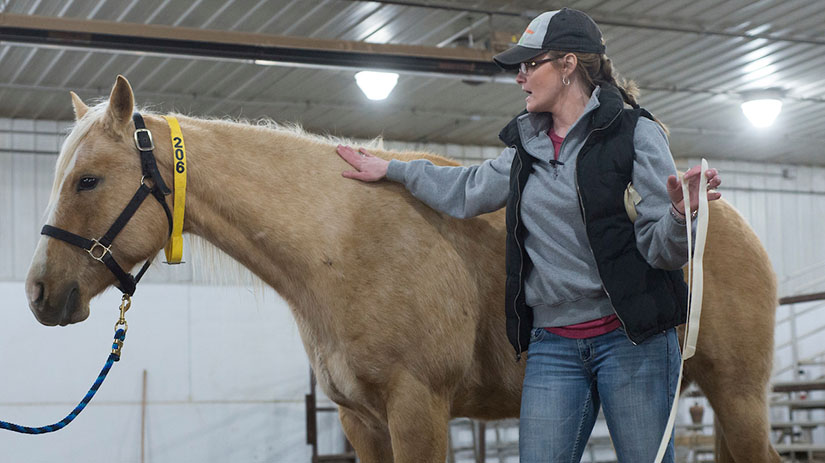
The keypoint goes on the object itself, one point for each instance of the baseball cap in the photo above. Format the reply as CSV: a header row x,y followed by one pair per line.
x,y
562,30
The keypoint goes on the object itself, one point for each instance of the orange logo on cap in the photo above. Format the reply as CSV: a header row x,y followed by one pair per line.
x,y
528,31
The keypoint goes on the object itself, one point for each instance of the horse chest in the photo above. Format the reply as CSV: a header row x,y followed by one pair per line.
x,y
335,372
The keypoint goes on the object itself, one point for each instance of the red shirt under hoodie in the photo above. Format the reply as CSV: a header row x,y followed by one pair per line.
x,y
590,328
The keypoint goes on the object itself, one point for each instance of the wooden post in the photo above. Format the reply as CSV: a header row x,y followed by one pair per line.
x,y
143,421
482,442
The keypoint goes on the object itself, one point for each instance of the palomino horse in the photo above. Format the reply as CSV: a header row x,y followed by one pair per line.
x,y
399,307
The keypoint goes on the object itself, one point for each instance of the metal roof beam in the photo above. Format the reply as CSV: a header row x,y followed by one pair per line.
x,y
184,41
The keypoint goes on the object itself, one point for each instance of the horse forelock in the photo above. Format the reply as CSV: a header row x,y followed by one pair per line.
x,y
67,158
68,155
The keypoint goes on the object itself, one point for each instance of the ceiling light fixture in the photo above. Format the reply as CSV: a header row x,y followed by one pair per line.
x,y
376,85
762,107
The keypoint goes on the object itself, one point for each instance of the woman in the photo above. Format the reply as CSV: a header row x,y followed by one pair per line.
x,y
591,295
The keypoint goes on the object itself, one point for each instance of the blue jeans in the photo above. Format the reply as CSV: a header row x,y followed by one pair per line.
x,y
567,380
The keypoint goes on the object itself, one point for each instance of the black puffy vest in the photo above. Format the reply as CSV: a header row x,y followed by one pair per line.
x,y
647,300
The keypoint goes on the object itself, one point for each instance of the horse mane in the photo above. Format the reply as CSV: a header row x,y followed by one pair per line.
x,y
296,130
221,269
213,265
82,127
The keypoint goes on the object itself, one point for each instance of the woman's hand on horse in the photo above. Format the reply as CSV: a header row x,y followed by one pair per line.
x,y
368,168
674,188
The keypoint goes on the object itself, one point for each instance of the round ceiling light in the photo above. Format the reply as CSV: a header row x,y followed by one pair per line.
x,y
762,112
761,107
376,85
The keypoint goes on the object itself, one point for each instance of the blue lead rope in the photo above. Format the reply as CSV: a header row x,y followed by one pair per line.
x,y
117,344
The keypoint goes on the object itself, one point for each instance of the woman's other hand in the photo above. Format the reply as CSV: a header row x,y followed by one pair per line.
x,y
674,188
368,168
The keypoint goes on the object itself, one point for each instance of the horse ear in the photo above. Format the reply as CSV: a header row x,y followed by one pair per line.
x,y
121,102
80,108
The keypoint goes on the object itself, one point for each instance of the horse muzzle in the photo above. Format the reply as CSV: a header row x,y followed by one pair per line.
x,y
61,307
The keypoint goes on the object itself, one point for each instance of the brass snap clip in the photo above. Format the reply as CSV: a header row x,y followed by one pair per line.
x,y
125,303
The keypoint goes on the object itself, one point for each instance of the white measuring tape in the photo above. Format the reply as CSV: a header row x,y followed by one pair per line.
x,y
695,281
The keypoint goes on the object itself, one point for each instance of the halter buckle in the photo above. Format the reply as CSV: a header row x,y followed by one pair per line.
x,y
104,250
137,140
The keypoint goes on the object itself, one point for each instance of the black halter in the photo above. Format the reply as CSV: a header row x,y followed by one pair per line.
x,y
99,249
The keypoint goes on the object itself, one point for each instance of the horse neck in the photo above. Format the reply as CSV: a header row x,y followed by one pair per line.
x,y
254,193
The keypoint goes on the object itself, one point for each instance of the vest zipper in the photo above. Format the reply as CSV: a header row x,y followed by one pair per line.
x,y
521,263
584,219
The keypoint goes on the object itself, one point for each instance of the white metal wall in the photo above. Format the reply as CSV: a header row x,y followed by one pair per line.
x,y
785,205
226,378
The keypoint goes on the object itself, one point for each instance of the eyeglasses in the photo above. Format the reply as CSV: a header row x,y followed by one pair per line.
x,y
528,66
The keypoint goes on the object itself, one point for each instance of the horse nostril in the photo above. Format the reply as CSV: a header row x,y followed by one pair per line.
x,y
36,292
40,292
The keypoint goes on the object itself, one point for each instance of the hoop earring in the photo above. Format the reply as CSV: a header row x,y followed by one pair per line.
x,y
565,80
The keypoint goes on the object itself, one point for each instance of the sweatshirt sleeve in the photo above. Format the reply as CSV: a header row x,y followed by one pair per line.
x,y
659,237
458,191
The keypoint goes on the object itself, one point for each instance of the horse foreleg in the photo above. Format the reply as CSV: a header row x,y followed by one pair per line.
x,y
418,421
370,441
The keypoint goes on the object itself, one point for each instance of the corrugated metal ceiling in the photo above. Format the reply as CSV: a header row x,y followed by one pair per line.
x,y
693,60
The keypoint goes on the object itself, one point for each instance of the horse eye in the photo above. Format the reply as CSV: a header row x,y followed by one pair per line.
x,y
87,183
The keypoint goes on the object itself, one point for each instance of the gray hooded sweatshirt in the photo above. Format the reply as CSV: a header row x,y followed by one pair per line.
x,y
563,286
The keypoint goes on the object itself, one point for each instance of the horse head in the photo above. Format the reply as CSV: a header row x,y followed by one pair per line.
x,y
97,172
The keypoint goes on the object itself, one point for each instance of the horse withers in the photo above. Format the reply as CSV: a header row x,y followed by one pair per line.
x,y
399,307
